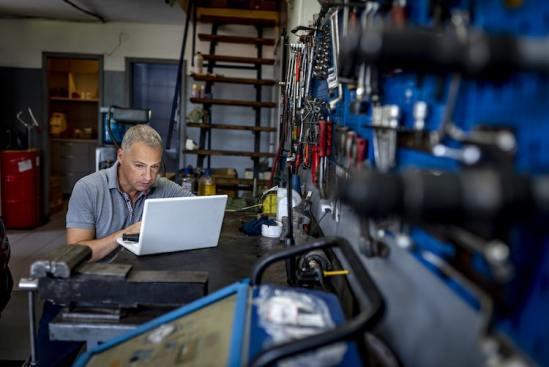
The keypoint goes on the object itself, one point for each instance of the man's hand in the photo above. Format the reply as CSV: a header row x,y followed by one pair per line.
x,y
134,228
100,247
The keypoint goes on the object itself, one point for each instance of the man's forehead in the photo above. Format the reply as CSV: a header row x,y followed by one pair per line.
x,y
141,151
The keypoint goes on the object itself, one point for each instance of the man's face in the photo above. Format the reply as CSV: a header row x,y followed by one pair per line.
x,y
139,166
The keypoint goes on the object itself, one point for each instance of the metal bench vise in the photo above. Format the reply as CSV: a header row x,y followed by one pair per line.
x,y
104,300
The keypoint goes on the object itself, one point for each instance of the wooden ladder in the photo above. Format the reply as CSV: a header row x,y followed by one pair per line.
x,y
217,17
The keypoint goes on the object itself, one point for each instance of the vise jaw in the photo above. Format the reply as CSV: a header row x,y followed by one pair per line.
x,y
67,278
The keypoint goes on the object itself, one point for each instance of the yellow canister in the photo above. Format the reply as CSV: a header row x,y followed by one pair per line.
x,y
269,204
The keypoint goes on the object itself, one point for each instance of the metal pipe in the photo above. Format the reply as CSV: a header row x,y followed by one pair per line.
x,y
32,334
31,285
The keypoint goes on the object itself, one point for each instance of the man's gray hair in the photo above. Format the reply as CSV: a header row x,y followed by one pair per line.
x,y
141,134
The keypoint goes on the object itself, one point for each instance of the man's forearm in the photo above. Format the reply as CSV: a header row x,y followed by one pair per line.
x,y
103,246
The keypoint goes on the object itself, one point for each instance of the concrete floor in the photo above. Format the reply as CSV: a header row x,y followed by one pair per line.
x,y
26,247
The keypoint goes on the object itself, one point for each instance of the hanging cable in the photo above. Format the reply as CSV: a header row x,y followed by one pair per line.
x,y
77,7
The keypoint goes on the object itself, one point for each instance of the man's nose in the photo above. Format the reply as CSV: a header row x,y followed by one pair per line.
x,y
148,174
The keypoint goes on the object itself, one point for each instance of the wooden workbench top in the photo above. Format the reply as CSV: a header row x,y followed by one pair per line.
x,y
231,261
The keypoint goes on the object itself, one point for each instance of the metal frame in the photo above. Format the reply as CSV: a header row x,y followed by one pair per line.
x,y
205,139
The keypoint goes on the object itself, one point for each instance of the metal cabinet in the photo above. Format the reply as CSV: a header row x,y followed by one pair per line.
x,y
72,159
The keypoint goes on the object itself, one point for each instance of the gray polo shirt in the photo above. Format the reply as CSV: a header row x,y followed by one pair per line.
x,y
98,203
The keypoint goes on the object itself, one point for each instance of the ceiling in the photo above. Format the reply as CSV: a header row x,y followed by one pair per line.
x,y
136,11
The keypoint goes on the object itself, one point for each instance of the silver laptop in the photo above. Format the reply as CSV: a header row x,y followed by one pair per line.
x,y
177,224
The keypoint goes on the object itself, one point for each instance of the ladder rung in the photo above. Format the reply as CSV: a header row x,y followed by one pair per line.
x,y
231,127
224,79
236,39
237,16
229,153
239,59
233,102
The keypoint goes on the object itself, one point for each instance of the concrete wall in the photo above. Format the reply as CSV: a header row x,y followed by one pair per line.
x,y
300,12
116,41
28,39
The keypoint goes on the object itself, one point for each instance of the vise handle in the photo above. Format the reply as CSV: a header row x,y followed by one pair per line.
x,y
61,262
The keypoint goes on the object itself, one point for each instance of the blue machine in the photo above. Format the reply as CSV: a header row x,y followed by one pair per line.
x,y
117,128
214,330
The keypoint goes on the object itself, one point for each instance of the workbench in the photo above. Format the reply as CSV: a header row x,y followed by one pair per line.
x,y
231,261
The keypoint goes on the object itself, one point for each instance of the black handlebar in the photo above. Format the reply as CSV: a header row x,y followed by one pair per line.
x,y
370,299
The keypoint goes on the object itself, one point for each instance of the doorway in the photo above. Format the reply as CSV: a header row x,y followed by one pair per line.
x,y
151,84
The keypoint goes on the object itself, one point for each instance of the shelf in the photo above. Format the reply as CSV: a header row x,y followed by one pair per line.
x,y
238,183
231,127
224,79
237,16
66,99
74,140
229,153
236,39
238,59
233,102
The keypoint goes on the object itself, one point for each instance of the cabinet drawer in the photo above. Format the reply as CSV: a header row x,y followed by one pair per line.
x,y
70,163
69,179
74,149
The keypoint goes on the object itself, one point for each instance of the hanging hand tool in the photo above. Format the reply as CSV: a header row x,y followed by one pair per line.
x,y
385,121
315,157
307,150
322,143
350,149
361,151
329,137
420,114
333,68
398,13
341,135
298,159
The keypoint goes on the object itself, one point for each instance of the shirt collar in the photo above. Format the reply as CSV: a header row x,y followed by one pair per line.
x,y
112,176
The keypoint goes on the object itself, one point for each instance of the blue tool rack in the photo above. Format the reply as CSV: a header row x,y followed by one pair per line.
x,y
521,103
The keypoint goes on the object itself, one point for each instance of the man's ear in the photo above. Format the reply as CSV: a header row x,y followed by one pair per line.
x,y
120,154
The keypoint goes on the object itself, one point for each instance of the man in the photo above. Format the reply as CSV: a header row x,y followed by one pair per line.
x,y
102,207
108,203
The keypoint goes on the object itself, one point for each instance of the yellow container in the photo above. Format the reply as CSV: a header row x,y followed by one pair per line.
x,y
206,185
269,204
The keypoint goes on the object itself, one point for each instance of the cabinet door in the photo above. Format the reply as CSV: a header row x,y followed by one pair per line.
x,y
69,179
55,157
74,161
73,149
74,157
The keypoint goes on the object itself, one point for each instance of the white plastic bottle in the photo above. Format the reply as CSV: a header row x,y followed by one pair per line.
x,y
198,61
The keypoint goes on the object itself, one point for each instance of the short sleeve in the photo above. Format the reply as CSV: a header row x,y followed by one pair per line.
x,y
171,189
81,213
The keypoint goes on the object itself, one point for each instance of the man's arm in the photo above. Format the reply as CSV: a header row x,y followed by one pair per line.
x,y
81,222
100,247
